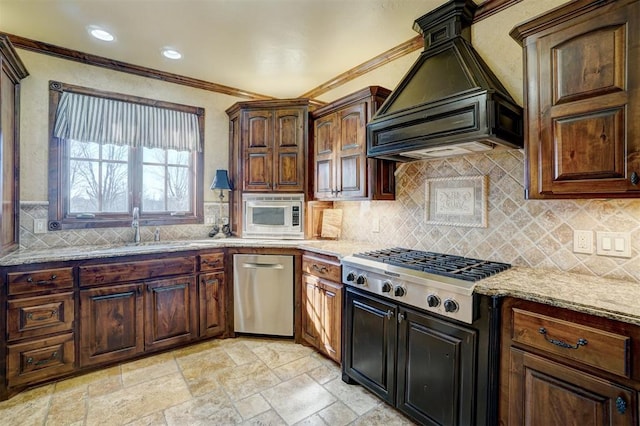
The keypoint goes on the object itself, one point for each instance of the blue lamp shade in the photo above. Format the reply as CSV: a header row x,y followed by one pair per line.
x,y
221,180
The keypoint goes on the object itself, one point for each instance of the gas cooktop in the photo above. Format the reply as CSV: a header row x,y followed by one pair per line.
x,y
445,265
435,282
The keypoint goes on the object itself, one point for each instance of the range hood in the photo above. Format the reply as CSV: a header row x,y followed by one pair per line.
x,y
449,103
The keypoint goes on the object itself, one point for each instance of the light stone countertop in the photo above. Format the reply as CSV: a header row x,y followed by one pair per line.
x,y
615,299
604,297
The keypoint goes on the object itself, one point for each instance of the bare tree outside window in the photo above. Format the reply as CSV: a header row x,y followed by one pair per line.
x,y
166,182
98,178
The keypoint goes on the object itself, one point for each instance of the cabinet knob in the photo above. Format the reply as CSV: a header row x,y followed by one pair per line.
x,y
621,405
634,178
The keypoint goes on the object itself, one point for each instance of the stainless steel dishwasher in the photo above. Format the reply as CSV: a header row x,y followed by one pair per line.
x,y
263,294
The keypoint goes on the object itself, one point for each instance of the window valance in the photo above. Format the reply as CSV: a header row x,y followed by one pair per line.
x,y
96,119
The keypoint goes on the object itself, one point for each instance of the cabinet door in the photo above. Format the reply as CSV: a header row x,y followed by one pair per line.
x,y
289,150
311,306
169,312
436,369
257,148
370,343
589,143
351,159
324,184
111,323
331,320
211,295
547,393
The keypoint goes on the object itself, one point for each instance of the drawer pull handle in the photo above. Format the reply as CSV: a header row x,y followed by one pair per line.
x,y
322,269
52,314
42,282
211,262
53,357
621,405
581,341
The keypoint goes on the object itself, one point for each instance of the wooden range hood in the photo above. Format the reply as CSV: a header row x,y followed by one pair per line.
x,y
449,103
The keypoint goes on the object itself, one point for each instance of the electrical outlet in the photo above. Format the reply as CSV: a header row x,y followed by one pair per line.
x,y
583,242
616,244
209,220
39,226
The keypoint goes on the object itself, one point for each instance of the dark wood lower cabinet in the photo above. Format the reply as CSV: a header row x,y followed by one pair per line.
x,y
547,393
434,370
436,379
111,323
170,315
561,367
370,343
211,300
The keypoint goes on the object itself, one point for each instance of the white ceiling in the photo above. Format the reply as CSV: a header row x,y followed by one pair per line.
x,y
279,48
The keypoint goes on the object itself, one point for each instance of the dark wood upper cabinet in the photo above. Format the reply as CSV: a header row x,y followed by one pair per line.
x,y
12,70
582,99
272,142
341,169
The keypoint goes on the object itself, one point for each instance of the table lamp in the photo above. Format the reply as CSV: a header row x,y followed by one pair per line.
x,y
221,181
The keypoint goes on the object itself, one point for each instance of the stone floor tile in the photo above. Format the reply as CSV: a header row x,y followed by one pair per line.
x,y
252,406
338,414
67,407
137,401
214,408
383,415
269,418
148,368
298,398
354,396
279,353
153,419
27,408
297,367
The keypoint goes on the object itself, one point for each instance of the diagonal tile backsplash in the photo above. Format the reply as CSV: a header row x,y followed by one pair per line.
x,y
533,233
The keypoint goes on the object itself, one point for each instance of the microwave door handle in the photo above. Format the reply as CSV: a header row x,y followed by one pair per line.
x,y
251,265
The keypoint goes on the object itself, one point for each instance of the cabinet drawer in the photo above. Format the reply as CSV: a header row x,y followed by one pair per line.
x,y
43,359
588,345
321,267
134,271
40,280
37,316
211,261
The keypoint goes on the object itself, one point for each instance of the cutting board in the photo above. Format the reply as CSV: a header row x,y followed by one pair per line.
x,y
331,223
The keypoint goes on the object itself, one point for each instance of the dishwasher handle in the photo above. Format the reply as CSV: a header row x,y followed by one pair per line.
x,y
252,265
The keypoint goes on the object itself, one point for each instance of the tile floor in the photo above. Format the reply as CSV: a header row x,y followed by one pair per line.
x,y
247,381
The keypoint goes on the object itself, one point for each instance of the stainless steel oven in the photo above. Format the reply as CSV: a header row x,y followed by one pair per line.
x,y
273,216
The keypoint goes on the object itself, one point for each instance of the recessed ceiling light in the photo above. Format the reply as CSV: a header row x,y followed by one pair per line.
x,y
171,53
100,34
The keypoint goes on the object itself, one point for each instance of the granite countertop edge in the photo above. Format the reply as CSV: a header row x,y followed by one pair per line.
x,y
604,297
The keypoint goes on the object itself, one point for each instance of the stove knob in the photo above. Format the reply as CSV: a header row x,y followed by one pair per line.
x,y
399,291
386,287
351,277
451,305
433,301
361,280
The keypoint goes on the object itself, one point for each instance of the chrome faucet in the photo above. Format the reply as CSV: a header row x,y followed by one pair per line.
x,y
135,224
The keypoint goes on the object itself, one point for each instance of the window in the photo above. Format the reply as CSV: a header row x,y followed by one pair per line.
x,y
110,153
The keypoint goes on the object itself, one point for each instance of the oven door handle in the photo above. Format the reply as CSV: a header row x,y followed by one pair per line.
x,y
389,314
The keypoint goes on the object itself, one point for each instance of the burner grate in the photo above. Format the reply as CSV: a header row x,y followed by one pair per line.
x,y
447,265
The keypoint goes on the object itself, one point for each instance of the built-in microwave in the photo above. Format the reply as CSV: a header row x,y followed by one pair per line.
x,y
273,216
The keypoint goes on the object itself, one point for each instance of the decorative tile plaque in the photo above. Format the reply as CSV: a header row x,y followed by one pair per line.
x,y
457,201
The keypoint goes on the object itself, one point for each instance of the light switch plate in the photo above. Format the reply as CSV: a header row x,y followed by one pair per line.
x,y
616,244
